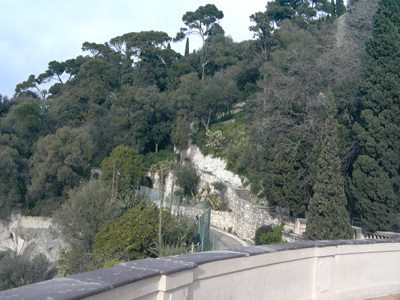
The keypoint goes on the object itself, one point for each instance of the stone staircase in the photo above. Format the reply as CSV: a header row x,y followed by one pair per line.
x,y
243,194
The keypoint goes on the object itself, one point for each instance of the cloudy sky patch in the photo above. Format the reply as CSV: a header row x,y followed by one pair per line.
x,y
33,33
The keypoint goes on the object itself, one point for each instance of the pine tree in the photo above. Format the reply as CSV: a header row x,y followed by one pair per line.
x,y
327,217
187,47
375,180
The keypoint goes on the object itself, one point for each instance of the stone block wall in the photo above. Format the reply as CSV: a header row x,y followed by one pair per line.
x,y
245,217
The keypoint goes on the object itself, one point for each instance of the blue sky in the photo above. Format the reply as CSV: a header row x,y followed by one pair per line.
x,y
33,33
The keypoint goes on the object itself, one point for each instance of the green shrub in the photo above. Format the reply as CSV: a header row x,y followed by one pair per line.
x,y
215,140
200,140
187,179
219,186
153,158
132,236
270,238
260,231
266,235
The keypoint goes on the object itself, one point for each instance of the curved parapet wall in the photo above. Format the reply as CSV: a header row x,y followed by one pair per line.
x,y
354,269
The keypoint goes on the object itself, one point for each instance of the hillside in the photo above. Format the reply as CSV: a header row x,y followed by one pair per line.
x,y
270,108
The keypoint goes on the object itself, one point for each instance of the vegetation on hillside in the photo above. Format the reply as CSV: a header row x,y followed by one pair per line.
x,y
17,270
260,104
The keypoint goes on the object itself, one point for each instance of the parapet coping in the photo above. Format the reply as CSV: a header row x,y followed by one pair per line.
x,y
91,283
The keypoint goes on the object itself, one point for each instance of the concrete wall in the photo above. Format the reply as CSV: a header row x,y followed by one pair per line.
x,y
302,270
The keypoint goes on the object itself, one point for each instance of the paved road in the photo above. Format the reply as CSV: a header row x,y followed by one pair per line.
x,y
224,240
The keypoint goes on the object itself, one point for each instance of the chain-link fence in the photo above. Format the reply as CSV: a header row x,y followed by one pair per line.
x,y
155,196
184,207
204,231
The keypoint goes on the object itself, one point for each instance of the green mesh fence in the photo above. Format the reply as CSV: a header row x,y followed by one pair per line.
x,y
204,231
154,196
208,241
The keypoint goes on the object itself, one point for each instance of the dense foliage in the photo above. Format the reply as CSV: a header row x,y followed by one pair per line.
x,y
375,181
85,211
17,270
259,104
187,179
133,235
267,235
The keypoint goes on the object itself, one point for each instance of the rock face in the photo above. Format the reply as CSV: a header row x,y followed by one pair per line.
x,y
30,236
212,169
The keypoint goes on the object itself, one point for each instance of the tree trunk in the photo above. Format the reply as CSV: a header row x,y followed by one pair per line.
x,y
172,196
205,123
202,72
161,210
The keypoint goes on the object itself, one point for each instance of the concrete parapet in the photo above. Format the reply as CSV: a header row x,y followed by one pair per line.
x,y
351,269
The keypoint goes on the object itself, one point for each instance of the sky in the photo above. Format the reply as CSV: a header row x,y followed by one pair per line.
x,y
33,33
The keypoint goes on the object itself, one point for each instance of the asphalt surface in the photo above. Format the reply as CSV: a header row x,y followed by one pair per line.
x,y
225,240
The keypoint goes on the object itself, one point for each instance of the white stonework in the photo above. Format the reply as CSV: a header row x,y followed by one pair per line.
x,y
212,169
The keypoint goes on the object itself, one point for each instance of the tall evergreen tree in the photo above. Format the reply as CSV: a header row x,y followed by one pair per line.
x,y
375,182
327,216
187,47
340,9
333,7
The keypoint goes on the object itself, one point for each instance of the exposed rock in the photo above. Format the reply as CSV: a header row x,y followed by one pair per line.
x,y
212,169
30,236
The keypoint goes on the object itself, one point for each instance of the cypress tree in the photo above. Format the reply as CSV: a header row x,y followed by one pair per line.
x,y
340,9
327,217
333,8
375,180
187,47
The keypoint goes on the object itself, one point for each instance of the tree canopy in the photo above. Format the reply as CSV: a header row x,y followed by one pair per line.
x,y
133,235
375,181
202,20
258,104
